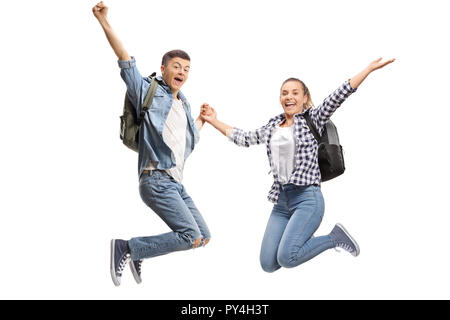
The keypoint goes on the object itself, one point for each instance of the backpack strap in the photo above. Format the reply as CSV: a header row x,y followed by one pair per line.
x,y
311,126
332,135
149,96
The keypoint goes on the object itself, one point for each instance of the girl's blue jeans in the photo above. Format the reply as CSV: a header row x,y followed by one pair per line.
x,y
288,240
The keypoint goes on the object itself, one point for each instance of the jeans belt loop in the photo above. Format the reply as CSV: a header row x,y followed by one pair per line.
x,y
148,172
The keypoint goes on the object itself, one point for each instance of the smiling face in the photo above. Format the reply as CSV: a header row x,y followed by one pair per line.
x,y
292,98
175,73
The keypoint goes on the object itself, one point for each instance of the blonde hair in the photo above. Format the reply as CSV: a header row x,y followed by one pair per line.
x,y
309,103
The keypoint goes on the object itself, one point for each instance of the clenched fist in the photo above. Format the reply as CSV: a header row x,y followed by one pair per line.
x,y
100,10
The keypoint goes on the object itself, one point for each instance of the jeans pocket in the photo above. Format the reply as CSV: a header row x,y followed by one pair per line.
x,y
146,186
146,179
163,183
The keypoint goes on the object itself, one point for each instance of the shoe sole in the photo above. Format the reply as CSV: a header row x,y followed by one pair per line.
x,y
113,266
135,273
357,251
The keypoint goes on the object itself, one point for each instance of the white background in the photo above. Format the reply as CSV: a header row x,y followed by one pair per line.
x,y
68,185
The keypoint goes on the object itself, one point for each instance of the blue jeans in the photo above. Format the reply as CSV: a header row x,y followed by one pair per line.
x,y
170,201
288,239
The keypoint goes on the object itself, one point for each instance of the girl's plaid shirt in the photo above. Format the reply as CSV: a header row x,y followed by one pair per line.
x,y
306,170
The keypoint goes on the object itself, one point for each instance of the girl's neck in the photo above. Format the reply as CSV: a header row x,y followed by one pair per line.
x,y
288,121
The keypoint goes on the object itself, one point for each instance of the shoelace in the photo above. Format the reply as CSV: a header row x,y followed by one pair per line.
x,y
344,246
123,262
138,267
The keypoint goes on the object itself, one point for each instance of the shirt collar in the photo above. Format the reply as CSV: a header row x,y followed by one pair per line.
x,y
303,113
277,119
166,87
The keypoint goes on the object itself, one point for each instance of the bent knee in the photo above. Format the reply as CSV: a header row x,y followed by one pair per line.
x,y
197,242
285,260
269,266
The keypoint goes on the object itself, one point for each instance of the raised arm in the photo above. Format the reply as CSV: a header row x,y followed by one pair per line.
x,y
136,86
101,13
374,65
321,114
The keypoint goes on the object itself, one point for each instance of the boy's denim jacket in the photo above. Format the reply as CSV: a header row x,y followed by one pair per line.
x,y
151,144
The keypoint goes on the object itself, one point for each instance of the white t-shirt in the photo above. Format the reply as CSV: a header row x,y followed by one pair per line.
x,y
174,135
282,145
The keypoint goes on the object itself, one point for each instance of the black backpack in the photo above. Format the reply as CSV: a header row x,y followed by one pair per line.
x,y
130,122
331,157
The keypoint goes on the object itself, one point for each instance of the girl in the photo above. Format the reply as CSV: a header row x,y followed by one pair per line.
x,y
293,156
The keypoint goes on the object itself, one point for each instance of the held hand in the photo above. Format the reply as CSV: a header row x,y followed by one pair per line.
x,y
100,10
378,64
207,113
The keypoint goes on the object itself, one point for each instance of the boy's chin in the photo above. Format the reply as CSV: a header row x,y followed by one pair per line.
x,y
175,88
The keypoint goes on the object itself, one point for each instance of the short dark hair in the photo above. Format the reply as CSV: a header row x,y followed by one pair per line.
x,y
174,54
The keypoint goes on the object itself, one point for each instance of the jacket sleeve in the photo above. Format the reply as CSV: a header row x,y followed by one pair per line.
x,y
134,82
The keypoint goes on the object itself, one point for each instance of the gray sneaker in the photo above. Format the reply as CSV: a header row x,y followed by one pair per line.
x,y
342,239
120,255
135,266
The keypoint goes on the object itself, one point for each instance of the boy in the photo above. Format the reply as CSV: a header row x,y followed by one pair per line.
x,y
167,136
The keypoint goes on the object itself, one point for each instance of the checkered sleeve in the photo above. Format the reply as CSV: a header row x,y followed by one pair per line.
x,y
321,114
247,138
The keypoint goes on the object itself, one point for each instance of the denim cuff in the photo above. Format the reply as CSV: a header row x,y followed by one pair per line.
x,y
126,64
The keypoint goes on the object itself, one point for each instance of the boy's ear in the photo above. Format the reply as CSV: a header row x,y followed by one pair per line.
x,y
162,69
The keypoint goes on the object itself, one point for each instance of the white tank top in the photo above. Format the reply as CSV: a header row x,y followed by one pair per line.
x,y
282,146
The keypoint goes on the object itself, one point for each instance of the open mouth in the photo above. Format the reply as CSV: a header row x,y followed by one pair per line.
x,y
289,105
178,81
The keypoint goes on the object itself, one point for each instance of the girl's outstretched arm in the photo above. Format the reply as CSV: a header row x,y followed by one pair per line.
x,y
374,65
208,114
238,136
